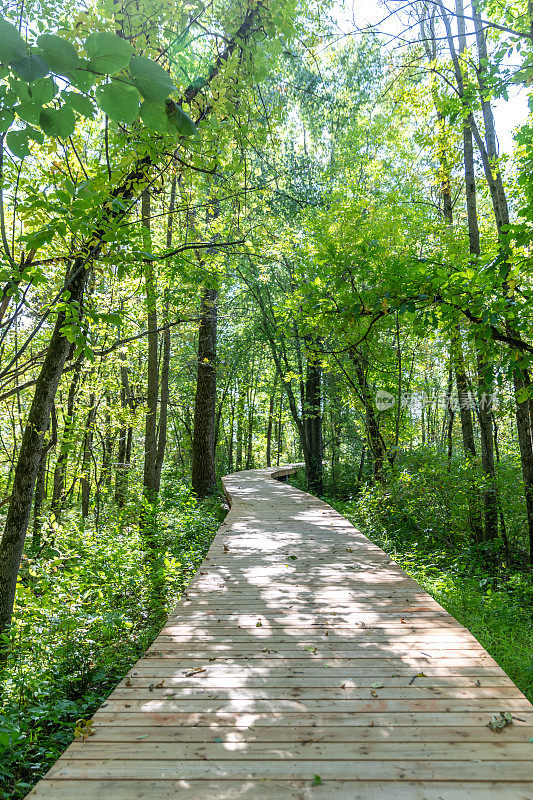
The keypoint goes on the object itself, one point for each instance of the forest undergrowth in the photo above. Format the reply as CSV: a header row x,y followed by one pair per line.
x,y
420,519
87,608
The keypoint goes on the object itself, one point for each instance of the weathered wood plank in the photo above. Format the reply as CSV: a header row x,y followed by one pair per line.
x,y
278,790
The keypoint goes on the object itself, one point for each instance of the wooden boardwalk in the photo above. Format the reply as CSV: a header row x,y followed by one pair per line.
x,y
303,664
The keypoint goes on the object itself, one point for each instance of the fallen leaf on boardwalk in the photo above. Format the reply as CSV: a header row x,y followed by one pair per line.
x,y
151,687
226,548
477,683
217,739
128,682
312,649
196,671
349,550
326,666
259,624
418,675
373,693
500,721
83,729
378,685
403,621
144,736
317,780
293,558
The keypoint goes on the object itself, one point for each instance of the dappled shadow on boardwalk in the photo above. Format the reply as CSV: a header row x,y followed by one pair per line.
x,y
303,663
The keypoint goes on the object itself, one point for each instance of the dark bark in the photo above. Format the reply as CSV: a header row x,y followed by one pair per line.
x,y
87,458
165,358
152,389
240,425
163,408
203,447
490,499
313,424
60,472
40,487
121,475
270,423
376,444
467,431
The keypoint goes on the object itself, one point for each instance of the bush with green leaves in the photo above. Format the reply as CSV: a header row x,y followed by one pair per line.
x,y
87,608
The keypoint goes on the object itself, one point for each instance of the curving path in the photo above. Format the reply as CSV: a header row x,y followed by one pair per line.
x,y
302,664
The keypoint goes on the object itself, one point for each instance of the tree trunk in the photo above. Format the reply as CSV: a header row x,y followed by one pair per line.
x,y
467,430
150,435
203,447
165,361
60,472
375,440
163,408
240,425
313,424
86,468
270,424
121,475
490,499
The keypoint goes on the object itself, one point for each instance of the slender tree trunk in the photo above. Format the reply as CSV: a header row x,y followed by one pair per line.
x,y
60,472
150,435
313,424
467,430
490,498
86,468
375,440
270,423
203,449
163,408
121,475
240,425
165,360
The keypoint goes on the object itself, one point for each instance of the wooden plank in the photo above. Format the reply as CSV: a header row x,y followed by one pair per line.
x,y
230,750
478,719
266,671
263,789
290,733
278,769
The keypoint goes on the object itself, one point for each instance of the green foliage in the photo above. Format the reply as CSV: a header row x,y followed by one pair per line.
x,y
87,608
150,79
119,101
108,53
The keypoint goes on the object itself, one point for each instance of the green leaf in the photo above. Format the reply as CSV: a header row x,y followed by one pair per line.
x,y
60,54
119,101
6,119
79,103
29,112
81,78
154,116
31,67
150,79
43,91
108,53
17,141
60,122
12,45
180,120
